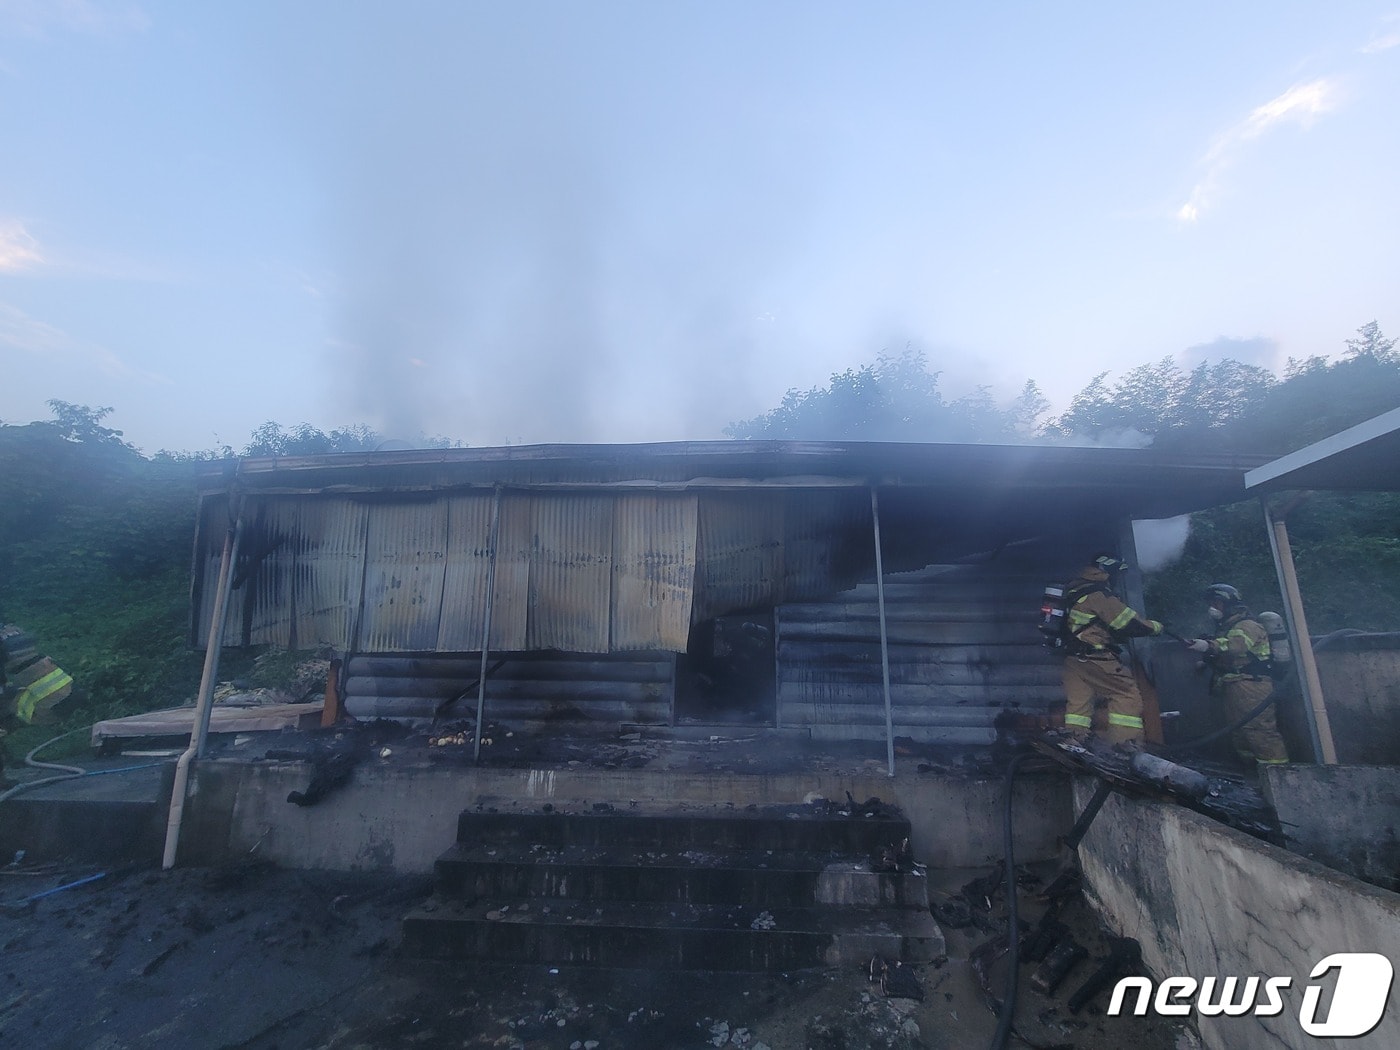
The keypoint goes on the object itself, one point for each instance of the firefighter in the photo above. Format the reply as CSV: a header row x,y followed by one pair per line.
x,y
1096,622
41,685
1241,663
7,707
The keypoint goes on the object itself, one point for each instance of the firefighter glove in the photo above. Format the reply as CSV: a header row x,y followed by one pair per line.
x,y
1199,645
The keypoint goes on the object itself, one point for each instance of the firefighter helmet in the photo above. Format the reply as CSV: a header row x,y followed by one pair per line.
x,y
1109,563
1224,593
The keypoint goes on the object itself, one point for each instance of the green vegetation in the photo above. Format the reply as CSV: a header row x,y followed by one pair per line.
x,y
95,549
1346,547
96,539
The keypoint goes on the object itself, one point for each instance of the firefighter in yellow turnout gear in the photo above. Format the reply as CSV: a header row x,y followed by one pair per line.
x,y
1240,658
30,685
1092,671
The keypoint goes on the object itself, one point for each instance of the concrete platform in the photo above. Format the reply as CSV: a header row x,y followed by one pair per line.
x,y
112,816
399,809
673,937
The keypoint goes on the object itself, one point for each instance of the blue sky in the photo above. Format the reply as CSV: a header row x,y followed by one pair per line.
x,y
521,222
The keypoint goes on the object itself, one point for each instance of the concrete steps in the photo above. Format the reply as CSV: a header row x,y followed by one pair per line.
x,y
764,889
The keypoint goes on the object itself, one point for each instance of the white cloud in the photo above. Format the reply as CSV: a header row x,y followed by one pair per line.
x,y
28,335
1377,44
18,249
1384,37
1301,104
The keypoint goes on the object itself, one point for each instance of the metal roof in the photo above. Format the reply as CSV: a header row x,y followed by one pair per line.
x,y
997,480
1365,457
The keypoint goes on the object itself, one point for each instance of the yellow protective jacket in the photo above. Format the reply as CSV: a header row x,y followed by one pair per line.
x,y
30,684
1097,620
1241,650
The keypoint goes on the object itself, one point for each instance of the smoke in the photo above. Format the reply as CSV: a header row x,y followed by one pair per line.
x,y
1114,437
1160,541
1260,350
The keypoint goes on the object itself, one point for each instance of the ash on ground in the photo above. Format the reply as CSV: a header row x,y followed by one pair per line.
x,y
259,958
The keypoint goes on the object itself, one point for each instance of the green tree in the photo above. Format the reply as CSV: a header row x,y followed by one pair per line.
x,y
1372,345
895,399
271,439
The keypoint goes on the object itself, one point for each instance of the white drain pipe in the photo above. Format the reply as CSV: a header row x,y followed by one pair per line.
x,y
212,648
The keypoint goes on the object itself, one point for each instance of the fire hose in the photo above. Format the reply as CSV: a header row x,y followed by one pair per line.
x,y
66,772
1239,723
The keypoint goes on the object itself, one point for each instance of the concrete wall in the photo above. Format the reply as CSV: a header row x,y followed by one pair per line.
x,y
400,819
1342,816
1205,900
1360,681
1361,684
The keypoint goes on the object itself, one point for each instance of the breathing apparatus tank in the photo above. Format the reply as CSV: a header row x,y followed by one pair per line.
x,y
1053,616
1279,646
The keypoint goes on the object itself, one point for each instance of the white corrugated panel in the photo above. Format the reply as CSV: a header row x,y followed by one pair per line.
x,y
510,613
570,573
404,577
653,571
330,570
468,576
468,563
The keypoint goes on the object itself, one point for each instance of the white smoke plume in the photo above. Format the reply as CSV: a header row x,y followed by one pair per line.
x,y
1160,541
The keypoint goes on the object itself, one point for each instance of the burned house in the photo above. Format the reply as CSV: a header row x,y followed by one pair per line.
x,y
854,591
754,594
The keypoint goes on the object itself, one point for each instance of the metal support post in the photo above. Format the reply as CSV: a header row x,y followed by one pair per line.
x,y
486,620
884,632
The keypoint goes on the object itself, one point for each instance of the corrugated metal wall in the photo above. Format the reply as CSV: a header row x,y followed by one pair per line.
x,y
767,546
653,571
527,688
576,571
594,572
963,650
406,563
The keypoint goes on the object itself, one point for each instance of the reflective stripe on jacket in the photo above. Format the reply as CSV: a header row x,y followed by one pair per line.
x,y
36,692
1096,618
1239,652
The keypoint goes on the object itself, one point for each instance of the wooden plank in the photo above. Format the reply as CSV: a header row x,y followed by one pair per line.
x,y
223,718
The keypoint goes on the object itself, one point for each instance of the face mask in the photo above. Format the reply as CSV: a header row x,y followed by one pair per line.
x,y
1216,614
